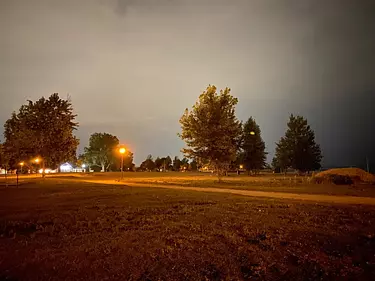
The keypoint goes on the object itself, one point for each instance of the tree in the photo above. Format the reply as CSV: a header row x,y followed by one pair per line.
x,y
128,164
184,163
148,164
3,157
167,163
102,150
176,163
164,163
253,147
298,149
211,130
193,166
159,163
43,128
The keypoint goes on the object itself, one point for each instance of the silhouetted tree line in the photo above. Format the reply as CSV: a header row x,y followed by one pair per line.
x,y
213,134
215,139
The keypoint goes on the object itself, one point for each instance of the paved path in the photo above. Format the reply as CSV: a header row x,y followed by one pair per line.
x,y
252,193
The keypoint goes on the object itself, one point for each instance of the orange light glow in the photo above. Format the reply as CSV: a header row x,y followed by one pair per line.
x,y
122,150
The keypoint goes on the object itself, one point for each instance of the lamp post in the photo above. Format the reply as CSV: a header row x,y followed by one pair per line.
x,y
122,151
37,161
21,164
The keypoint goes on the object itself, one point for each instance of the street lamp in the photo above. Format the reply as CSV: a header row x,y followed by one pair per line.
x,y
21,164
37,161
252,133
84,167
122,151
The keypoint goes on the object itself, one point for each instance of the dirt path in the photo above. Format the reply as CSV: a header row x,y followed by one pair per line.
x,y
279,195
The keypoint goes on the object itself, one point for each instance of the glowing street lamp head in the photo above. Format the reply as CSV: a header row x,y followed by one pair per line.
x,y
122,150
252,133
21,163
83,165
36,160
241,166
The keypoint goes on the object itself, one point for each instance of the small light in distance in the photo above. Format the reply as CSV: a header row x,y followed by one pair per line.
x,y
252,133
122,150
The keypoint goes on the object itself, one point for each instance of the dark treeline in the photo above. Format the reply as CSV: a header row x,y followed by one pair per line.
x,y
215,140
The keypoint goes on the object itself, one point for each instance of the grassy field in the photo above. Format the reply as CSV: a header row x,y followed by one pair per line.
x,y
67,229
264,182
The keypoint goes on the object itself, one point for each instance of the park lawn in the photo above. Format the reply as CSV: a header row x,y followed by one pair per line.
x,y
264,182
72,230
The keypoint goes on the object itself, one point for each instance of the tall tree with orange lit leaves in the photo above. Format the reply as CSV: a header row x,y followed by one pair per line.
x,y
211,130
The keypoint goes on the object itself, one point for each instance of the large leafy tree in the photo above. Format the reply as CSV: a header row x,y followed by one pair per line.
x,y
184,163
253,147
3,158
102,150
127,164
43,128
211,130
164,163
176,163
148,164
167,163
298,149
193,166
159,162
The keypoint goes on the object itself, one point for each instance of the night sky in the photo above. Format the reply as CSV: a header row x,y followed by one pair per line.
x,y
131,67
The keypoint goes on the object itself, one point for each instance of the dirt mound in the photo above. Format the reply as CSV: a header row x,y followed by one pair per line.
x,y
344,176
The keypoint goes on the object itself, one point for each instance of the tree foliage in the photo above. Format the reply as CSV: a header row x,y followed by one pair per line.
x,y
176,163
158,163
163,163
193,166
253,147
3,158
148,164
211,130
43,128
184,163
128,164
298,149
102,150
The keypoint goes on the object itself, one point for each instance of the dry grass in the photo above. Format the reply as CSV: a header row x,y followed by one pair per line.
x,y
265,182
354,174
61,230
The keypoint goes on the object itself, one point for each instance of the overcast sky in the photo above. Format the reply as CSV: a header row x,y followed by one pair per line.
x,y
131,67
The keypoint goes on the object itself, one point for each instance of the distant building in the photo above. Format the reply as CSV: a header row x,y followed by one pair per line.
x,y
69,168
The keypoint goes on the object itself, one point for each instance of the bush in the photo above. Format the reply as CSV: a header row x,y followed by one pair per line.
x,y
336,179
340,180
